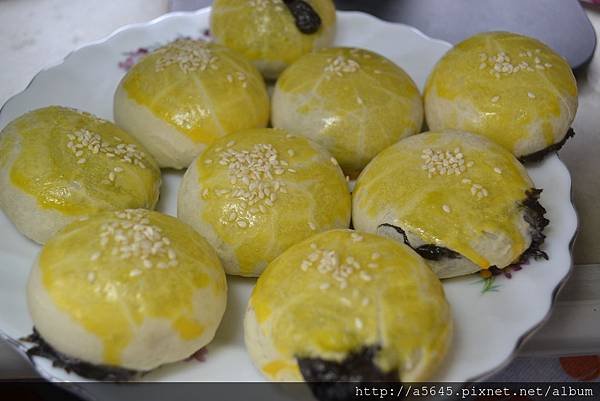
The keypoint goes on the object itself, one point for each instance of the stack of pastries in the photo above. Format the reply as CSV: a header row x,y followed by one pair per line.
x,y
115,278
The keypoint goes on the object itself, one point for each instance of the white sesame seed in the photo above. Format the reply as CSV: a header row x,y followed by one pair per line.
x,y
81,161
345,301
495,99
312,225
324,286
91,277
372,265
375,255
531,95
242,223
95,256
135,273
290,152
358,323
446,208
356,237
497,170
365,301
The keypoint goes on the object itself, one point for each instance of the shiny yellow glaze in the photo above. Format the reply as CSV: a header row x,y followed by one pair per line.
x,y
405,312
317,193
202,104
459,79
268,33
48,170
396,180
115,304
355,115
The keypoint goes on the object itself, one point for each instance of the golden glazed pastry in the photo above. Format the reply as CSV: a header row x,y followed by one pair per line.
x,y
57,164
352,101
255,193
343,305
460,200
510,88
132,289
271,33
180,98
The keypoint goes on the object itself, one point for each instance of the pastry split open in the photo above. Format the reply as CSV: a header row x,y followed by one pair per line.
x,y
461,201
346,306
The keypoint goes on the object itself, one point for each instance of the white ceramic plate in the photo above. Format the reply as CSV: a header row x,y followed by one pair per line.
x,y
489,324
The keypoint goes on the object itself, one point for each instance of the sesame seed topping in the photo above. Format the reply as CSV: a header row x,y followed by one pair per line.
x,y
262,5
372,265
95,256
359,100
443,162
91,277
312,225
479,191
495,99
131,236
83,142
341,65
328,262
497,170
446,208
291,152
501,64
365,276
135,273
531,95
324,286
365,301
358,323
189,55
375,255
345,301
252,173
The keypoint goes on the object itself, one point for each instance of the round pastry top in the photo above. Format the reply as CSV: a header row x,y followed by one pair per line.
x,y
76,163
264,190
266,29
203,89
342,290
509,86
115,269
359,101
449,189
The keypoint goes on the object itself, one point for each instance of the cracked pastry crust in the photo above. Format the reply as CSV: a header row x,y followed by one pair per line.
x,y
345,305
510,88
460,200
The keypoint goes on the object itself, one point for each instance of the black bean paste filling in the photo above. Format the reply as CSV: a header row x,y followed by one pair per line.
x,y
534,216
331,380
540,154
306,18
69,364
427,251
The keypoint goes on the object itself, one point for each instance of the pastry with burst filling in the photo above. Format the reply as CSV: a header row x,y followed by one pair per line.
x,y
255,193
352,101
461,201
181,97
511,88
273,33
124,292
58,164
345,306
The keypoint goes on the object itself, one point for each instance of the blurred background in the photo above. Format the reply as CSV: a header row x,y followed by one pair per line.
x,y
38,33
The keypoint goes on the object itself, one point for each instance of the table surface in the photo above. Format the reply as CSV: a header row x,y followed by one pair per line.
x,y
35,34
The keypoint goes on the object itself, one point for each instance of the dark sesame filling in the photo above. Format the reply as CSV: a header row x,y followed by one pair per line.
x,y
306,18
540,154
534,216
332,380
69,364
